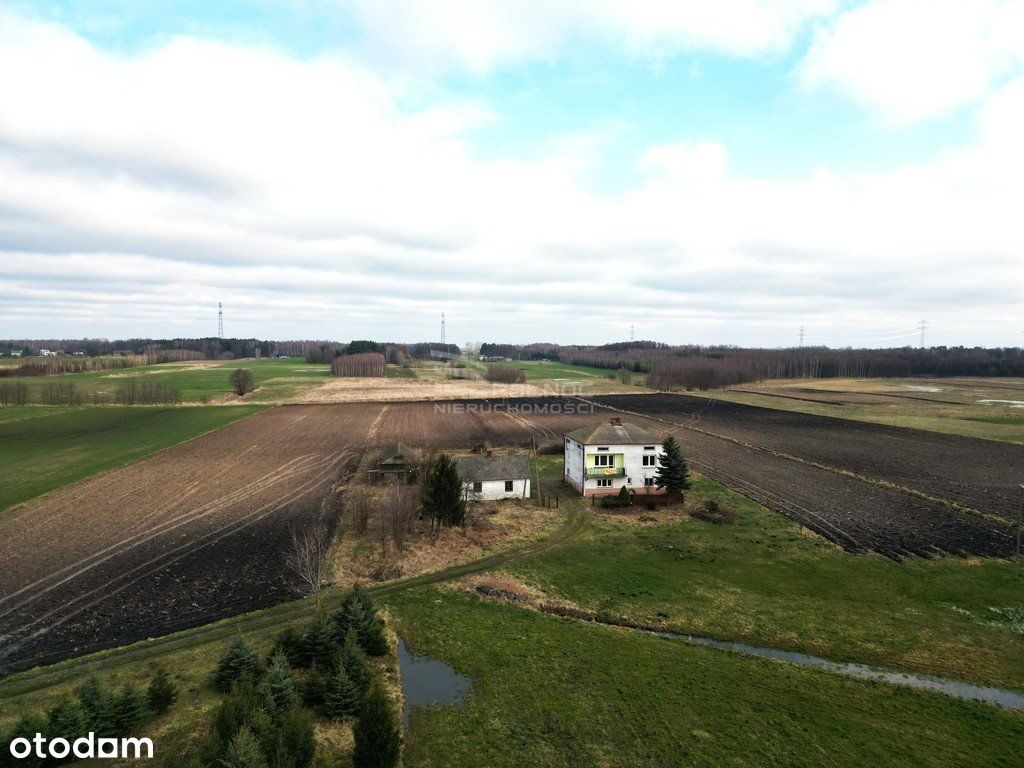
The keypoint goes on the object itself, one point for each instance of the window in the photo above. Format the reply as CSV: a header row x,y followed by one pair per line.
x,y
478,487
648,447
649,481
603,449
508,486
606,460
650,461
604,482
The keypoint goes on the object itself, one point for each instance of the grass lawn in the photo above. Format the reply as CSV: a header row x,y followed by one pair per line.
x,y
275,379
763,581
43,448
554,692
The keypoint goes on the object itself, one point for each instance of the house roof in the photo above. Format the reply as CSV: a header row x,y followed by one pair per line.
x,y
607,433
398,454
480,468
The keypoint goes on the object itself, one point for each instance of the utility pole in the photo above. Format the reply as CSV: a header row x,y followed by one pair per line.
x,y
220,320
801,335
924,327
442,328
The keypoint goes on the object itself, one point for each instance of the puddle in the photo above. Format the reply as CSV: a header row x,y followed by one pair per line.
x,y
427,681
922,388
955,688
1011,403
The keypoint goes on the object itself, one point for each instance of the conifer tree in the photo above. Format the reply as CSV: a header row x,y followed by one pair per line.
x,y
672,474
130,708
353,660
320,644
443,499
378,735
244,751
68,719
99,705
341,696
162,692
240,663
280,684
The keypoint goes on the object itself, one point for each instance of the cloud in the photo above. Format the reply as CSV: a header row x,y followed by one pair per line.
x,y
482,35
908,60
140,190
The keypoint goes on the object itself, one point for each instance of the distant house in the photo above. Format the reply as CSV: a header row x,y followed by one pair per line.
x,y
489,477
47,352
606,457
15,353
396,460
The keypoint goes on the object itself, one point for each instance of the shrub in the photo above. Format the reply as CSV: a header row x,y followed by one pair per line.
x,y
238,664
242,381
505,374
622,499
712,512
162,692
377,734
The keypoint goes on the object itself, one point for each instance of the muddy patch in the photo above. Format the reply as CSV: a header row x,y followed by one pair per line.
x,y
427,682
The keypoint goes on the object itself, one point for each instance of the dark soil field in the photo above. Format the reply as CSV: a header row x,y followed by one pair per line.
x,y
979,474
197,532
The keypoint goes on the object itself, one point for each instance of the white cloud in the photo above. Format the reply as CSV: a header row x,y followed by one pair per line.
x,y
481,35
140,190
913,59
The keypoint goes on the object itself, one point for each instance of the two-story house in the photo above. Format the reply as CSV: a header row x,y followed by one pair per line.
x,y
606,457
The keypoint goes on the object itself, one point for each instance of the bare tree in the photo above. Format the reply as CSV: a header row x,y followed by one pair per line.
x,y
398,507
306,558
358,502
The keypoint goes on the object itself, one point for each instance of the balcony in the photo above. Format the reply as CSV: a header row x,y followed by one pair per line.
x,y
605,472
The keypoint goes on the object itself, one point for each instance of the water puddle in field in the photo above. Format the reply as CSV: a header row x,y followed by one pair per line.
x,y
427,681
922,388
1011,403
955,688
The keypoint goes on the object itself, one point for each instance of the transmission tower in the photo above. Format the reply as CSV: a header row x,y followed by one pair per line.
x,y
220,320
801,335
442,328
923,328
632,336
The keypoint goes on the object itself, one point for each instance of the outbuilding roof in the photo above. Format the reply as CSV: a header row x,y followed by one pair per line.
x,y
614,432
398,454
474,469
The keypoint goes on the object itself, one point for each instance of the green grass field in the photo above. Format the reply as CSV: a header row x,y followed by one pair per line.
x,y
555,692
763,581
43,448
275,379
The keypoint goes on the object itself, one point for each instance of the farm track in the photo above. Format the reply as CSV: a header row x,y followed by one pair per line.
x,y
197,532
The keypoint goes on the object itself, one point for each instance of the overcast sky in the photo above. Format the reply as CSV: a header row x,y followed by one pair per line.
x,y
711,172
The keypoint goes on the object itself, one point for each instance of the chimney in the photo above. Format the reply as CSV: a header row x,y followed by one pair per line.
x,y
490,454
616,421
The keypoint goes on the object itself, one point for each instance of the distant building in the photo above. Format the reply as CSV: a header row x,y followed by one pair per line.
x,y
394,461
606,457
15,353
47,353
490,477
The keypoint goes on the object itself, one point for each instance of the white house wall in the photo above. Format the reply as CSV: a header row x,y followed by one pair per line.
x,y
492,490
632,461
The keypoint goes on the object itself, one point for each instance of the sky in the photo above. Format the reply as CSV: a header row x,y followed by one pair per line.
x,y
722,172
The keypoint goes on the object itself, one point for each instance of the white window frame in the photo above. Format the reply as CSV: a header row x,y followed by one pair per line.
x,y
649,481
604,460
650,461
604,482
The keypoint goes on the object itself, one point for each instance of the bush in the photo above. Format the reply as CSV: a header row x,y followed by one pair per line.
x,y
712,512
377,734
242,381
162,692
622,499
238,664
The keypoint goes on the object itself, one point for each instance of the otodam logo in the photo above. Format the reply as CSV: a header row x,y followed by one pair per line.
x,y
84,747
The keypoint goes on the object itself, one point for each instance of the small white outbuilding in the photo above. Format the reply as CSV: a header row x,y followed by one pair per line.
x,y
490,477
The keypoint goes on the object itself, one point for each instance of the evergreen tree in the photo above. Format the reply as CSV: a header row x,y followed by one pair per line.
x,y
26,728
442,493
341,696
244,752
314,689
99,705
68,719
358,613
130,709
673,474
320,644
235,711
296,740
289,642
281,684
353,660
239,663
378,735
162,692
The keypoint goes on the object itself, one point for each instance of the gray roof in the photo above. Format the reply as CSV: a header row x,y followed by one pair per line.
x,y
480,468
607,433
398,454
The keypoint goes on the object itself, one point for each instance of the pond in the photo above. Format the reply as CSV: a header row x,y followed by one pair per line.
x,y
427,681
